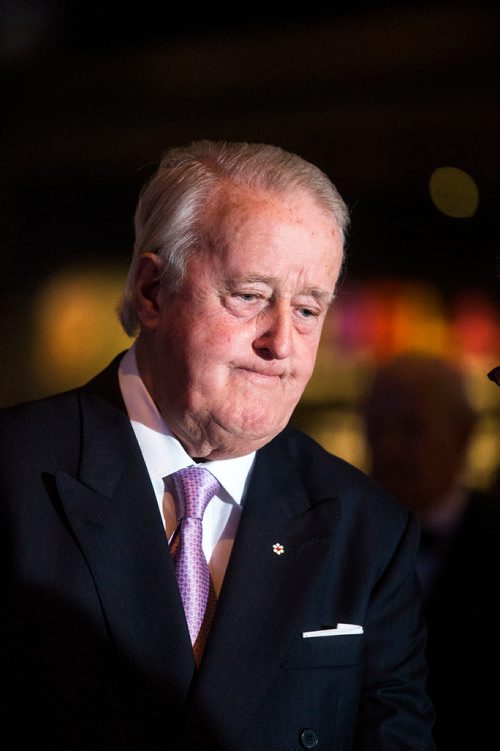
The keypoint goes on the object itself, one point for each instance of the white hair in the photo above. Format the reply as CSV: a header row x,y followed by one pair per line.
x,y
168,218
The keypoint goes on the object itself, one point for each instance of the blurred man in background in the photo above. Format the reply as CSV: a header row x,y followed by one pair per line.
x,y
419,425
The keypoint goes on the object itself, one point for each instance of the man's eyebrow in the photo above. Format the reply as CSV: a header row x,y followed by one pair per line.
x,y
321,295
271,281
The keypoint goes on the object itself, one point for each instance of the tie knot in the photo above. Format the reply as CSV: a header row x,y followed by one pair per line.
x,y
196,486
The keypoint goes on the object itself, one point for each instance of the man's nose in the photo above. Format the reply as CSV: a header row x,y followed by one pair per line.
x,y
275,333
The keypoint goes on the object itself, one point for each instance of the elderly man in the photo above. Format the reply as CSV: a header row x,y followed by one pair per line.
x,y
184,570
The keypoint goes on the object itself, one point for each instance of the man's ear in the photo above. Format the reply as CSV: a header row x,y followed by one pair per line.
x,y
147,287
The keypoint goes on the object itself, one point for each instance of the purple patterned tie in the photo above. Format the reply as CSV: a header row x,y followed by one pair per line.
x,y
195,487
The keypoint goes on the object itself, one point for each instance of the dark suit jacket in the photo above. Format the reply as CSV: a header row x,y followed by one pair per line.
x,y
95,649
463,620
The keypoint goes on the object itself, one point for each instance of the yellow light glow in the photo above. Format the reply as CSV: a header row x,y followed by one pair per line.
x,y
77,330
454,192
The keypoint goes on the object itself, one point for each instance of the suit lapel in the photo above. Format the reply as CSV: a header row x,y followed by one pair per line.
x,y
112,510
263,592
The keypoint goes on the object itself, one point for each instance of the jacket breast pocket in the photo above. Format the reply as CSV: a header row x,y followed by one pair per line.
x,y
345,650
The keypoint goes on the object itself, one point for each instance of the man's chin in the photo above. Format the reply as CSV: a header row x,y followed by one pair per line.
x,y
222,433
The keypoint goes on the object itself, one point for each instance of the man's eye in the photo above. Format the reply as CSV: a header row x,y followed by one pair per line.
x,y
308,312
246,296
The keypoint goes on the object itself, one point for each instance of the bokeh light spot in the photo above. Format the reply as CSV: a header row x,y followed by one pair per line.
x,y
76,326
454,192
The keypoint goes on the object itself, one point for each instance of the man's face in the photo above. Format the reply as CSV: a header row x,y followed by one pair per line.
x,y
228,357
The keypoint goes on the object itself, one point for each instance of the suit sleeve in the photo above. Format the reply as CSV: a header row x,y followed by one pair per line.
x,y
395,712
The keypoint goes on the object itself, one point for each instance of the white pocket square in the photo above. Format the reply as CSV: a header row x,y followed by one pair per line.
x,y
340,630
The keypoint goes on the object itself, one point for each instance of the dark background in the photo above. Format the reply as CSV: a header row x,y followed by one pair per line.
x,y
378,95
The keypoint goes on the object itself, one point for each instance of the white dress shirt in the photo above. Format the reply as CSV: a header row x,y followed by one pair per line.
x,y
163,455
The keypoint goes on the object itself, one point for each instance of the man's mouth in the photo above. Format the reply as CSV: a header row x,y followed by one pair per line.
x,y
263,372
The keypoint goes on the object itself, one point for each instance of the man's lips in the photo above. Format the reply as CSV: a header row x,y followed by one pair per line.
x,y
261,372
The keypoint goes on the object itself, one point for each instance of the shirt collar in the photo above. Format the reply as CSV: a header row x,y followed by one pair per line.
x,y
161,450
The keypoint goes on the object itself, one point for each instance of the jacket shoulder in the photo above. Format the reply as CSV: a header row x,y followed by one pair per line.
x,y
44,411
48,431
323,473
39,428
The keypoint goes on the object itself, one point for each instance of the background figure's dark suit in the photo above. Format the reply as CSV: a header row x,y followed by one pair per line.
x,y
96,653
463,619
